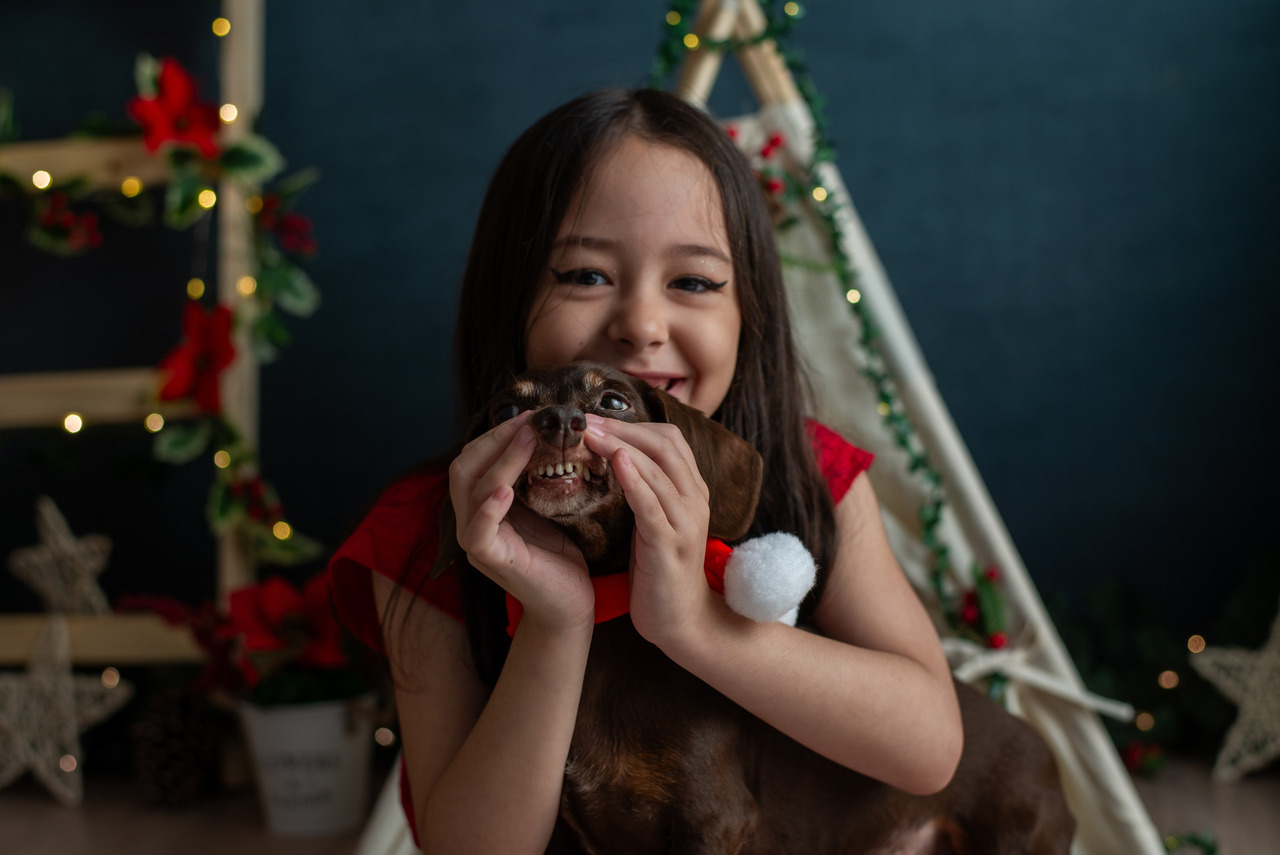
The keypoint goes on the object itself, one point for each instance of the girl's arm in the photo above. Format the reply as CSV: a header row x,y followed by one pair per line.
x,y
486,772
872,693
485,769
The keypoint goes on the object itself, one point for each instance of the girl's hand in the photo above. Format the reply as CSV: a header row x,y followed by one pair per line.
x,y
526,555
660,478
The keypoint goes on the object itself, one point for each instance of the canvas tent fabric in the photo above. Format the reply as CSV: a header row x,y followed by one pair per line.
x,y
1042,685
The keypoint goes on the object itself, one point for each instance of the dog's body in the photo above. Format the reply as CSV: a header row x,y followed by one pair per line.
x,y
661,762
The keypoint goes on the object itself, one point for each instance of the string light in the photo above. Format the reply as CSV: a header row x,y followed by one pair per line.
x,y
154,422
820,194
228,113
1144,721
253,204
384,736
221,26
110,678
131,186
246,285
883,408
673,17
853,295
691,41
72,422
41,179
792,9
207,198
195,288
282,530
1168,679
222,460
1195,644
67,763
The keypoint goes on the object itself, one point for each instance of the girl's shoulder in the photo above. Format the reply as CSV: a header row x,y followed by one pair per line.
x,y
398,537
839,460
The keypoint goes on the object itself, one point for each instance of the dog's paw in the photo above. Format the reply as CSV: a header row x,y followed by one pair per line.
x,y
766,577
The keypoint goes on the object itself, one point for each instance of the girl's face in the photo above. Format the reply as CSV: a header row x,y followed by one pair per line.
x,y
641,277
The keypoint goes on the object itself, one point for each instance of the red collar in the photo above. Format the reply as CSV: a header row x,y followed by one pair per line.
x,y
613,592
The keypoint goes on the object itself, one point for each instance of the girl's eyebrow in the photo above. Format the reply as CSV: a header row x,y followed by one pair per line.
x,y
681,250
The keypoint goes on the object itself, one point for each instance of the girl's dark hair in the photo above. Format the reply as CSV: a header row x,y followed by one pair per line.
x,y
527,200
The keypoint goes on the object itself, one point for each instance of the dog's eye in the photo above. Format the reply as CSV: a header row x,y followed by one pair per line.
x,y
614,401
505,412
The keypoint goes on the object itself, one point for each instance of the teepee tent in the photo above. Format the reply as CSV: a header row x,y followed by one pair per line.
x,y
871,383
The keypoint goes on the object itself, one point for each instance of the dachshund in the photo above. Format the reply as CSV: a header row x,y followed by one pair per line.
x,y
662,763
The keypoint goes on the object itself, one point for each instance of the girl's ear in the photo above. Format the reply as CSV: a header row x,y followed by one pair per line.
x,y
732,469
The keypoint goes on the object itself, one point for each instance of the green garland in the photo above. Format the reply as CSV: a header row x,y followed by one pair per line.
x,y
781,18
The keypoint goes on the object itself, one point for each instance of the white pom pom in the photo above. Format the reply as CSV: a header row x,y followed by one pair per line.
x,y
766,577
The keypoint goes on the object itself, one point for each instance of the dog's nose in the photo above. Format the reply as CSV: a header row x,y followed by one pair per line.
x,y
559,426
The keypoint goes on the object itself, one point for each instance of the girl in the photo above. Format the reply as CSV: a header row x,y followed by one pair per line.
x,y
625,227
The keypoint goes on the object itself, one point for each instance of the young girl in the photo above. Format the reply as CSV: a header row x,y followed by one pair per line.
x,y
625,227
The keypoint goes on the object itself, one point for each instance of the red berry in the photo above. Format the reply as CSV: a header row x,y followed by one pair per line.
x,y
997,640
993,573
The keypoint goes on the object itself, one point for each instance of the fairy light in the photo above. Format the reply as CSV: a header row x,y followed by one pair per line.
x,y
1144,721
131,186
246,285
72,422
41,179
207,198
1196,643
883,408
384,736
1168,679
253,204
820,194
110,678
67,763
691,41
853,295
195,288
228,113
221,26
282,530
792,9
222,459
154,422
673,17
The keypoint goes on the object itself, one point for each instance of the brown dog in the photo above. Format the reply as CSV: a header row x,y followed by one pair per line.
x,y
662,763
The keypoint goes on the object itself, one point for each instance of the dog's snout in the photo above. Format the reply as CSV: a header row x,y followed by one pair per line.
x,y
560,426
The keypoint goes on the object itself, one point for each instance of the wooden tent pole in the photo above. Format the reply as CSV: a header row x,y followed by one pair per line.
x,y
716,20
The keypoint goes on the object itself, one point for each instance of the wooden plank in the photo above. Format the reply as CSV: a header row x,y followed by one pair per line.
x,y
109,396
104,162
127,639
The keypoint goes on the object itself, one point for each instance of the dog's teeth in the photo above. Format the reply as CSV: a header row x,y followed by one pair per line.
x,y
569,468
586,474
559,468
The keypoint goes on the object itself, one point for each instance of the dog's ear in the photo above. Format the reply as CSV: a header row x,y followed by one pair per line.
x,y
731,467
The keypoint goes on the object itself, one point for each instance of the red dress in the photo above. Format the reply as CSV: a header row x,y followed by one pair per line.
x,y
399,532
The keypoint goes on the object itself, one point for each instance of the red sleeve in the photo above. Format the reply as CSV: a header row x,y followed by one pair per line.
x,y
398,538
839,461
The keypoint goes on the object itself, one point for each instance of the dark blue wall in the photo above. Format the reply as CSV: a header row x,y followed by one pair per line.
x,y
1078,203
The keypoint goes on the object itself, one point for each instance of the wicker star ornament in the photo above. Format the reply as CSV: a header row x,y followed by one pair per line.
x,y
63,569
1251,679
44,710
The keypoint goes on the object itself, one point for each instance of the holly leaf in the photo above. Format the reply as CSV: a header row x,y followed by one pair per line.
x,y
297,294
182,442
222,509
182,199
269,335
252,159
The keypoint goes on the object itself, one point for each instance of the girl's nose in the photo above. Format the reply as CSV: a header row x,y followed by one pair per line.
x,y
639,322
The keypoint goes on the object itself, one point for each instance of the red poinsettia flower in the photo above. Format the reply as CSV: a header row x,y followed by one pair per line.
x,y
278,624
175,115
191,369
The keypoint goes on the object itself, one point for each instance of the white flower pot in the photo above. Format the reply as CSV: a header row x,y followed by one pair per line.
x,y
312,763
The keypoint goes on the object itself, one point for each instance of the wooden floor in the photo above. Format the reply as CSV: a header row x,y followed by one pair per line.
x,y
1245,818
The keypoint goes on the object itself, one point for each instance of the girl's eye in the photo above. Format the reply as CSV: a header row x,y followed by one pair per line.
x,y
697,284
505,413
615,402
581,276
